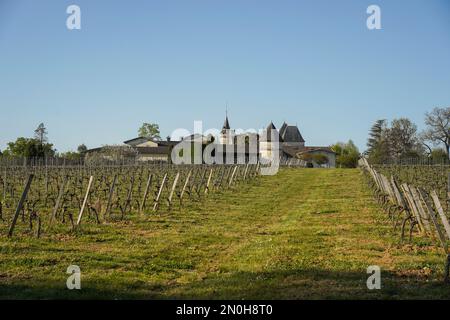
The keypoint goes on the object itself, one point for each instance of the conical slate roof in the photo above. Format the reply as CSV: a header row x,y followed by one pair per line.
x,y
226,125
283,128
291,134
268,133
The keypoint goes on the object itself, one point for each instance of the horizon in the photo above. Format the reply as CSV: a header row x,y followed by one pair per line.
x,y
311,64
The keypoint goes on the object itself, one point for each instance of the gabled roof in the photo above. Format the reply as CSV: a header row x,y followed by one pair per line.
x,y
291,134
315,149
197,137
136,141
167,143
139,140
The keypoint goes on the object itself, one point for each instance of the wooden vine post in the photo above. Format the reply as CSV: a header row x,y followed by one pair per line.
x,y
91,179
58,200
172,190
111,192
20,204
209,181
232,176
158,196
147,188
184,187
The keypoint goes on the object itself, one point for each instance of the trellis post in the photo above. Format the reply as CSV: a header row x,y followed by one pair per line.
x,y
172,190
91,179
147,187
111,192
209,181
20,204
155,207
185,186
232,176
58,200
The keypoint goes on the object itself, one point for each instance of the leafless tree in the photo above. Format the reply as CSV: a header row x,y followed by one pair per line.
x,y
438,128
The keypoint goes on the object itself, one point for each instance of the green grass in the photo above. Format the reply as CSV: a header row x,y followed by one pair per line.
x,y
303,234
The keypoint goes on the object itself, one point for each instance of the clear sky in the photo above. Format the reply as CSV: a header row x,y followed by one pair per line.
x,y
311,63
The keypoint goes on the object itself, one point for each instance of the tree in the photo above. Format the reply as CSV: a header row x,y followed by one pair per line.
x,y
71,155
40,133
320,159
82,148
29,148
307,157
438,128
347,154
403,139
149,130
375,135
397,141
438,155
377,144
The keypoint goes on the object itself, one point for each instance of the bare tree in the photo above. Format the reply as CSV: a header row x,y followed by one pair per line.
x,y
438,128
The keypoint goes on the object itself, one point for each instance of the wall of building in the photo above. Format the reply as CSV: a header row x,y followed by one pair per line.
x,y
153,157
294,144
147,144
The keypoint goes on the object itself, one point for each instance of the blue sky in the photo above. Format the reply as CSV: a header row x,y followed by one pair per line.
x,y
311,63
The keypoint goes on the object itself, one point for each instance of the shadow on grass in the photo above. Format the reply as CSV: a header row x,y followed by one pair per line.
x,y
290,285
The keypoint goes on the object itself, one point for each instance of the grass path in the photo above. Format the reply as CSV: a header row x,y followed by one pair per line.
x,y
303,234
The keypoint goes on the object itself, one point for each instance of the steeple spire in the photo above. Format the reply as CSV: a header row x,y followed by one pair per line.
x,y
226,124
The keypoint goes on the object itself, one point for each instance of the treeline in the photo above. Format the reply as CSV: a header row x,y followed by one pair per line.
x,y
38,146
399,140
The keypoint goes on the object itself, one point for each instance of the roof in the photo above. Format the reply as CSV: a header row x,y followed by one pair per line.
x,y
153,150
226,125
283,128
291,134
314,149
137,141
197,137
292,151
295,151
268,133
167,143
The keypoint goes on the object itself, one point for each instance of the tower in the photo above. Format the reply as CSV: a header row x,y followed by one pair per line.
x,y
226,135
269,147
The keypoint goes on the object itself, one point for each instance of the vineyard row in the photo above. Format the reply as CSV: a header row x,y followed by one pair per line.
x,y
38,199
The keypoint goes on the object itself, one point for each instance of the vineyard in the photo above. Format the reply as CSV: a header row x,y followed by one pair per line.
x,y
414,196
232,234
37,200
427,177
